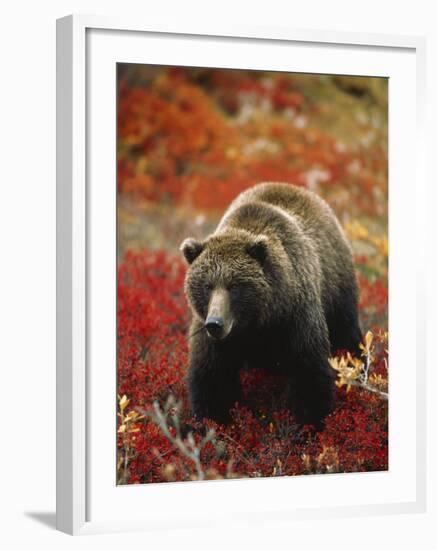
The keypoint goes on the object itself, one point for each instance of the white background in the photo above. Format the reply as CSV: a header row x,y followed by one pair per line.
x,y
27,285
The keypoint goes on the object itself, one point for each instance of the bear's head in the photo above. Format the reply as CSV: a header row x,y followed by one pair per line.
x,y
227,283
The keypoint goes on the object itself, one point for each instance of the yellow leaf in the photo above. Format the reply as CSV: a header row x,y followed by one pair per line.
x,y
356,362
123,403
369,339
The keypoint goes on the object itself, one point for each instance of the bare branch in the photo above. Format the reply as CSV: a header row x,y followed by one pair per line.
x,y
188,446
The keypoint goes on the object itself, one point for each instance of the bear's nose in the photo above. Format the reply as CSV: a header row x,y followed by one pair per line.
x,y
214,326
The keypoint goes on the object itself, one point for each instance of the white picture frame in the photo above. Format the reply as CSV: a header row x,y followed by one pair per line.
x,y
78,238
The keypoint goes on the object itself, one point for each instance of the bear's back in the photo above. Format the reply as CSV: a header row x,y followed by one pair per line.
x,y
280,203
304,206
301,220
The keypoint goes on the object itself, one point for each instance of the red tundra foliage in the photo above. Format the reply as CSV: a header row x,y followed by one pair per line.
x,y
189,132
262,439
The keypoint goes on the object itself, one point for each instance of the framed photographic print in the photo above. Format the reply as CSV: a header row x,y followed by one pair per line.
x,y
239,328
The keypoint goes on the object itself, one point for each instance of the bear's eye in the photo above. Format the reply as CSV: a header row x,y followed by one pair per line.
x,y
208,286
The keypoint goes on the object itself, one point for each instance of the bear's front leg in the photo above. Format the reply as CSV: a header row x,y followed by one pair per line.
x,y
213,378
312,389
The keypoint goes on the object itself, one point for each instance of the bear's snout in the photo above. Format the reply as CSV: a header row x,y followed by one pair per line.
x,y
214,326
219,321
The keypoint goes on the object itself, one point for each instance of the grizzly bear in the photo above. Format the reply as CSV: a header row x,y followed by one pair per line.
x,y
273,287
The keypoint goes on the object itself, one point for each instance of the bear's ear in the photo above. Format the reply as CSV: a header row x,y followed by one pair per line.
x,y
191,249
258,248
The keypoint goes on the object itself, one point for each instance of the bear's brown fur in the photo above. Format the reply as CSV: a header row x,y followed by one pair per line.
x,y
273,287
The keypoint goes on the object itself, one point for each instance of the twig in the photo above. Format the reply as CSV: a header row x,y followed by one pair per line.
x,y
187,447
368,387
